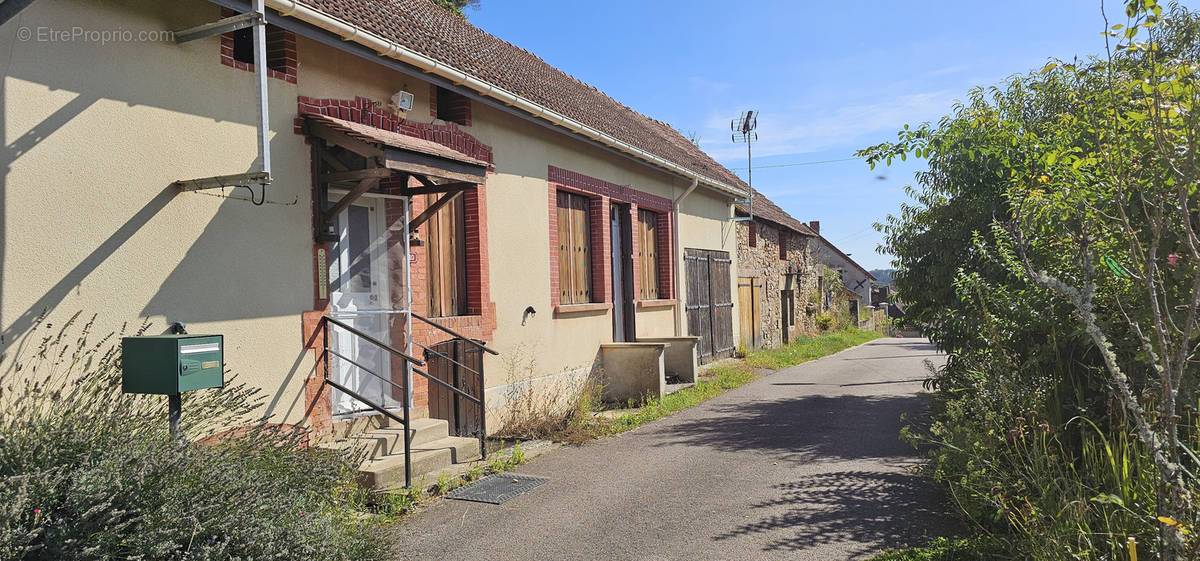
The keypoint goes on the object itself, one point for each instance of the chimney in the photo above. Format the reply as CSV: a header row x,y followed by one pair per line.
x,y
815,225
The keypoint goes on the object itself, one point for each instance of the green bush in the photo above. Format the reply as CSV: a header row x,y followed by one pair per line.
x,y
87,472
824,321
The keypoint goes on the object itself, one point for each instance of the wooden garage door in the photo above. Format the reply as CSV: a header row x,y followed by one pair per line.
x,y
709,302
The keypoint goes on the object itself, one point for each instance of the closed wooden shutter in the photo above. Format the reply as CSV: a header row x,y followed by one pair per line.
x,y
648,254
574,249
446,253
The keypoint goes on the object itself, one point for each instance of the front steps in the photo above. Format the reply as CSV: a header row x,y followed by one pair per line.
x,y
381,442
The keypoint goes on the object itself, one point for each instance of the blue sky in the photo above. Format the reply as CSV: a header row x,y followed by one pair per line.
x,y
827,78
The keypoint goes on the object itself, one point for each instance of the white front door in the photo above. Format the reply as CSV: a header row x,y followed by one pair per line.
x,y
358,296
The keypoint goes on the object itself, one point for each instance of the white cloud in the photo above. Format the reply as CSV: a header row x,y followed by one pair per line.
x,y
805,129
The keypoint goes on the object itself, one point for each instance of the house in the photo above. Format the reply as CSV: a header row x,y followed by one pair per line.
x,y
392,216
778,275
855,280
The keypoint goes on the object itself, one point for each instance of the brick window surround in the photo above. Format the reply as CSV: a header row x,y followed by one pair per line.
x,y
449,106
281,52
601,194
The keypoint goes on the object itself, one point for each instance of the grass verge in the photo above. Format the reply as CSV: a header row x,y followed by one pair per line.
x,y
804,349
725,377
942,549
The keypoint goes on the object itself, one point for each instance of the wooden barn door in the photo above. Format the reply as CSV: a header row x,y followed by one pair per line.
x,y
461,367
749,311
709,302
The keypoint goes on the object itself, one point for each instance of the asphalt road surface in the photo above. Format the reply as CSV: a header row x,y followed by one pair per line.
x,y
804,463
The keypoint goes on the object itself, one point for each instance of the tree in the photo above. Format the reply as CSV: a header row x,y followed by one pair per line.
x,y
456,6
1061,212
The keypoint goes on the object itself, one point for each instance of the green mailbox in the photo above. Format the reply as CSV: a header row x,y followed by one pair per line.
x,y
172,364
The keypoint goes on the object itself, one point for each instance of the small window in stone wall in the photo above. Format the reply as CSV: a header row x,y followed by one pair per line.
x,y
783,245
753,234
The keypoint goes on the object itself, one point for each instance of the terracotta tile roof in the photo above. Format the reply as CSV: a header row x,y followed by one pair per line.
x,y
393,139
765,209
424,27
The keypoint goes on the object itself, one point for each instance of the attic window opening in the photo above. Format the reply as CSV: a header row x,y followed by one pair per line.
x,y
237,50
451,107
243,48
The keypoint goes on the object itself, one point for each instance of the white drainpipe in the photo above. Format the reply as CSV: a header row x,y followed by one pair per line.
x,y
679,256
390,49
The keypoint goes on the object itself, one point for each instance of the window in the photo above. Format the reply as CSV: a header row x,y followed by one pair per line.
x,y
237,50
446,254
243,48
783,246
450,106
648,254
574,249
753,234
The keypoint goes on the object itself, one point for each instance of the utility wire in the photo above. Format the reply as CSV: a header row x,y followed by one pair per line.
x,y
801,164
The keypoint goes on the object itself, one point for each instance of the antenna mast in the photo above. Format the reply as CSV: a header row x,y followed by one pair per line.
x,y
743,131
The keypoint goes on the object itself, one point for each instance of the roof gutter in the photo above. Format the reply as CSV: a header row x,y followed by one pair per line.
x,y
391,49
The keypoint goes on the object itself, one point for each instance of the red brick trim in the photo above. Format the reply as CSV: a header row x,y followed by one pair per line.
x,y
281,52
460,106
602,194
368,112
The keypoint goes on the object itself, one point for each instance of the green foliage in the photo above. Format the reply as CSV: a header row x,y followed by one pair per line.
x,y
1052,252
824,321
942,549
87,472
456,6
804,349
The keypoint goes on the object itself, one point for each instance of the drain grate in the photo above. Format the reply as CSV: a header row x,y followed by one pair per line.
x,y
496,489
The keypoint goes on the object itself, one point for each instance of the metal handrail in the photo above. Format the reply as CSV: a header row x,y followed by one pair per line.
x,y
374,341
469,397
430,351
368,402
363,368
411,362
454,333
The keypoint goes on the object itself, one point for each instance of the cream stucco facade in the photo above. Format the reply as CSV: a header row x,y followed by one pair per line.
x,y
94,134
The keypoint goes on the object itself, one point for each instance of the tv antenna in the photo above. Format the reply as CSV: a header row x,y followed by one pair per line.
x,y
743,131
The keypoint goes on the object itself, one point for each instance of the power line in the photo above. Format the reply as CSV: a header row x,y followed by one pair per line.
x,y
803,163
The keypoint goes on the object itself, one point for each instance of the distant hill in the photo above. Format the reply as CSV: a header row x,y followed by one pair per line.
x,y
882,276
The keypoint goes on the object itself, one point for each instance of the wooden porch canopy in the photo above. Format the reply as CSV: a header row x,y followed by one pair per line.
x,y
360,156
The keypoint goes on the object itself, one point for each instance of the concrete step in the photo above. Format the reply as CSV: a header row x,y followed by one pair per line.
x,y
387,472
378,442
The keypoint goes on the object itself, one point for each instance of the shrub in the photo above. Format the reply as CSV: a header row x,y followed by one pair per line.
x,y
824,321
87,472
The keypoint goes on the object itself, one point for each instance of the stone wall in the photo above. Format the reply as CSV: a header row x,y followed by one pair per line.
x,y
764,262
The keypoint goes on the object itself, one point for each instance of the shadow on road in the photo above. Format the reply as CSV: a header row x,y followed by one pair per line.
x,y
802,429
864,510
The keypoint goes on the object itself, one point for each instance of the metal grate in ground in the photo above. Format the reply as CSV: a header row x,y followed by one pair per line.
x,y
496,489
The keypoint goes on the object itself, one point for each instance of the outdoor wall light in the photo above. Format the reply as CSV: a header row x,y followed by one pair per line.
x,y
529,312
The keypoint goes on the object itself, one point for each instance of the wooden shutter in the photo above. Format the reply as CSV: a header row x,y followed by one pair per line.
x,y
581,241
574,249
446,258
783,246
565,249
648,253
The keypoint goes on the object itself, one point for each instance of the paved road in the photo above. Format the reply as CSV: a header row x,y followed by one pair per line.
x,y
802,464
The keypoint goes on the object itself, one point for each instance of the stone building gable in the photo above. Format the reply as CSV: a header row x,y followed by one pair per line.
x,y
764,262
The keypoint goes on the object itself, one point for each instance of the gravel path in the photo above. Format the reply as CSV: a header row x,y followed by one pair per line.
x,y
802,464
